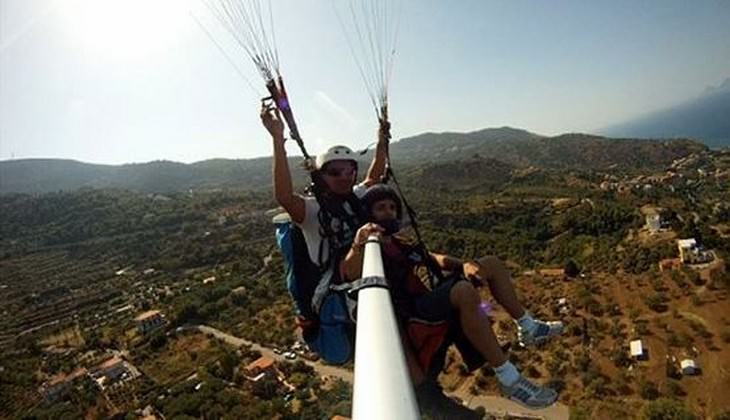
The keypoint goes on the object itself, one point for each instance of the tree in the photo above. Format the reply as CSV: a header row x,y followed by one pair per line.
x,y
667,409
620,357
671,369
265,388
571,269
188,313
158,340
674,389
228,363
656,302
648,390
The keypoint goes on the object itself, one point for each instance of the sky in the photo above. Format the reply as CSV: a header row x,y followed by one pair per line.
x,y
121,81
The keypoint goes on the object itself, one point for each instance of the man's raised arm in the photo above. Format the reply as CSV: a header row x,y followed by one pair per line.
x,y
283,189
377,166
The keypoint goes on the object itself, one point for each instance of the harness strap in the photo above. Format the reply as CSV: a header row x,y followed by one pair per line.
x,y
433,269
336,241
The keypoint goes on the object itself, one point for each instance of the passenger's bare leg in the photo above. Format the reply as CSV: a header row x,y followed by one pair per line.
x,y
465,298
474,323
495,274
531,330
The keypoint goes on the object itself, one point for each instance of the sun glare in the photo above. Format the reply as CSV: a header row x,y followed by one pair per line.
x,y
124,30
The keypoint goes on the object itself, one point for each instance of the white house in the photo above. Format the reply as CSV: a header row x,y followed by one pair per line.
x,y
637,349
689,367
691,253
686,247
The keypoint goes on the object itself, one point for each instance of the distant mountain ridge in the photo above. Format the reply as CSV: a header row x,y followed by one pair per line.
x,y
706,118
522,148
494,147
44,175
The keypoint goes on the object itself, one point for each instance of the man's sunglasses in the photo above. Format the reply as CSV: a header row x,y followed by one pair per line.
x,y
336,172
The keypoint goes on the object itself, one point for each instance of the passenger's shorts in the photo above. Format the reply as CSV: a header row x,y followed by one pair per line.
x,y
435,306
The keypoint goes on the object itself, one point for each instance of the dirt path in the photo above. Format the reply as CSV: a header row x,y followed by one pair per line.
x,y
500,406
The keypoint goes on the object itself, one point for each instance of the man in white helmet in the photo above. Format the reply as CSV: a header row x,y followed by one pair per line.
x,y
330,217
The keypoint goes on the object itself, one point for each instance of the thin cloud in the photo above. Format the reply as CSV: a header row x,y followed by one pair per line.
x,y
330,105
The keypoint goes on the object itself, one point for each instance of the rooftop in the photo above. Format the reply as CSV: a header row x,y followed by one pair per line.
x,y
147,315
261,363
637,349
688,363
686,243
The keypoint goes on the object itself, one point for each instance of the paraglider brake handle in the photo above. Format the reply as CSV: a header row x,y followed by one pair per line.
x,y
269,103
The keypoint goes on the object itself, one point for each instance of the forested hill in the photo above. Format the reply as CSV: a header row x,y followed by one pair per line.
x,y
507,145
522,148
48,175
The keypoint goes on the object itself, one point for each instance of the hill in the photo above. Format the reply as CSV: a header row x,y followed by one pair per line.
x,y
522,148
49,175
507,145
705,118
475,173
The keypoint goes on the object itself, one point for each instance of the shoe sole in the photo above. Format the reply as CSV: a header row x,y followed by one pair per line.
x,y
531,406
542,340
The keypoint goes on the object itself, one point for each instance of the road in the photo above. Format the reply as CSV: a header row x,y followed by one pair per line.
x,y
322,368
494,405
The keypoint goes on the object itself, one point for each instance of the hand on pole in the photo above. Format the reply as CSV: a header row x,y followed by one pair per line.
x,y
365,232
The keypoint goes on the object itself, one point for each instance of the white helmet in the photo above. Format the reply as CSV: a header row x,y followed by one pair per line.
x,y
335,153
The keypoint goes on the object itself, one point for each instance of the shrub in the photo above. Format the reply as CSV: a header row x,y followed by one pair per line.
x,y
667,409
656,302
648,390
620,357
571,268
671,370
674,389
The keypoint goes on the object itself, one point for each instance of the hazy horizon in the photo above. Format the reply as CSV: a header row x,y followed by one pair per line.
x,y
113,82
